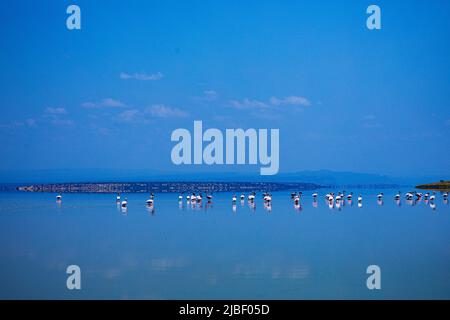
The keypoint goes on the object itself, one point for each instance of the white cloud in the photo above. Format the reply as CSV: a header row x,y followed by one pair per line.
x,y
210,95
162,111
62,122
108,102
167,263
112,273
129,115
248,104
369,117
370,125
370,121
50,110
88,105
53,116
141,76
154,111
291,100
104,103
273,101
220,118
31,122
12,125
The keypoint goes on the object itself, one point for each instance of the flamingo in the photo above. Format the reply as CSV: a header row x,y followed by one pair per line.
x,y
330,196
433,197
150,200
268,198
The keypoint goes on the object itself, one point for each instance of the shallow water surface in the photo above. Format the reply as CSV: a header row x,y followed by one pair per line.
x,y
217,251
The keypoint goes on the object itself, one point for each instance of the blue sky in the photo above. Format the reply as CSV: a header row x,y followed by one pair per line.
x,y
109,95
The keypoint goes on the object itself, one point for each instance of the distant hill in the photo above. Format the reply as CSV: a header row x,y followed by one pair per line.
x,y
337,178
321,177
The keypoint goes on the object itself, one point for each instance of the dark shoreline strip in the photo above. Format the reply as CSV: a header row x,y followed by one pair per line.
x,y
167,187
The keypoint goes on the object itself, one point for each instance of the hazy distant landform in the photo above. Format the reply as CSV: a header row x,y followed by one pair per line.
x,y
322,177
108,181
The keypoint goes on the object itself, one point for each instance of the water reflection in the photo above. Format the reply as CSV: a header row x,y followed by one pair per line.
x,y
208,205
331,204
268,206
150,209
432,205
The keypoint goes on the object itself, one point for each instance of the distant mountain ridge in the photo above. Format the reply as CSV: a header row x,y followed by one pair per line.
x,y
321,177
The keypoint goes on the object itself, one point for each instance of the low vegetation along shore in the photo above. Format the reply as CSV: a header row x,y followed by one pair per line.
x,y
441,185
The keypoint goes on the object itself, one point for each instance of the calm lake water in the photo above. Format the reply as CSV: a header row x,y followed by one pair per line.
x,y
214,252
